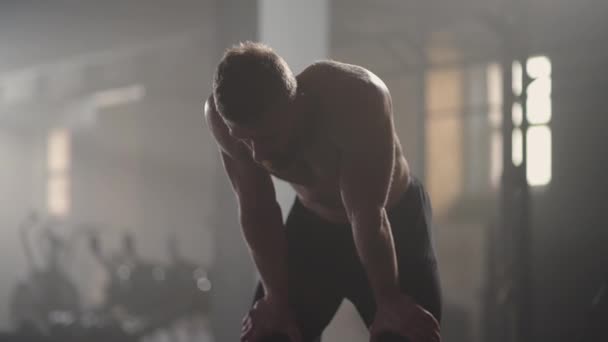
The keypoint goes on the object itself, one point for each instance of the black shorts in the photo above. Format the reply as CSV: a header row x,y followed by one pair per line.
x,y
324,267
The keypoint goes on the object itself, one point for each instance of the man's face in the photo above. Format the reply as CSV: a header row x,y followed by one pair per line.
x,y
268,138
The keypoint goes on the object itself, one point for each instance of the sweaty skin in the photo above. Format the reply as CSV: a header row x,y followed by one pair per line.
x,y
345,163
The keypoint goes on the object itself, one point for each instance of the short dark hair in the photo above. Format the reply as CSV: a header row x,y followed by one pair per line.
x,y
249,78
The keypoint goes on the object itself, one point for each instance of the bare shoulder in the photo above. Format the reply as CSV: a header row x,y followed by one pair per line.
x,y
220,132
332,73
354,99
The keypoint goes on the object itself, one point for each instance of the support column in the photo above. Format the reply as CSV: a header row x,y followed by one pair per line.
x,y
299,32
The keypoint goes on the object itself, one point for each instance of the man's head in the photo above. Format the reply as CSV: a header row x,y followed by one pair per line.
x,y
254,92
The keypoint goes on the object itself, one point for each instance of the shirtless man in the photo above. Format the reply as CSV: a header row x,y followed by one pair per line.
x,y
360,225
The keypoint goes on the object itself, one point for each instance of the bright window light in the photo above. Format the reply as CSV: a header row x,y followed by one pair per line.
x,y
539,109
494,79
517,153
538,155
58,150
517,114
517,78
58,168
538,66
494,89
496,158
540,87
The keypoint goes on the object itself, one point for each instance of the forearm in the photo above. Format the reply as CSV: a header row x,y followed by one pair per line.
x,y
376,249
265,236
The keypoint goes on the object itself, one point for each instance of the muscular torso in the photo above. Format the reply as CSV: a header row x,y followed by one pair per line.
x,y
313,171
321,193
313,165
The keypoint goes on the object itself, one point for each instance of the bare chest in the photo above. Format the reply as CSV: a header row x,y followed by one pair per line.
x,y
313,171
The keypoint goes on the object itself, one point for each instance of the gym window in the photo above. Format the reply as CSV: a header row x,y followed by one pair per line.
x,y
58,168
494,93
538,112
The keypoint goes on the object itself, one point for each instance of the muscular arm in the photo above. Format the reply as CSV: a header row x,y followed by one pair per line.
x,y
366,168
259,212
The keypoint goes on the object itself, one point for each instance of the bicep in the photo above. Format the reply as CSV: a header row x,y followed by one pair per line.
x,y
367,160
365,177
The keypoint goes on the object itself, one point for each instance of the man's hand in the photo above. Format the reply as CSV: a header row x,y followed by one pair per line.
x,y
267,317
401,315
